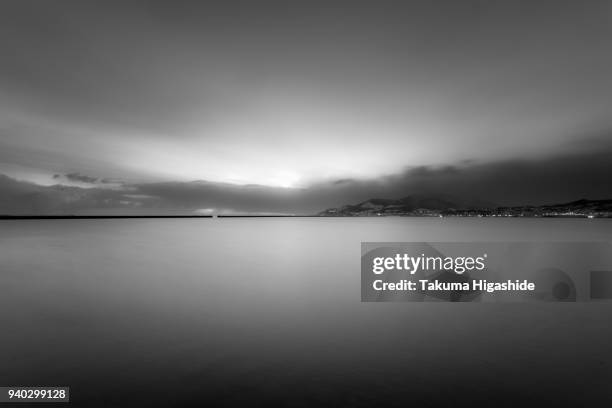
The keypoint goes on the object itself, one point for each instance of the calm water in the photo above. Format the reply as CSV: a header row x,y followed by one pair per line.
x,y
265,312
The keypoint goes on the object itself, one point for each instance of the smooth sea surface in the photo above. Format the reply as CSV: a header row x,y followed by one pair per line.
x,y
267,312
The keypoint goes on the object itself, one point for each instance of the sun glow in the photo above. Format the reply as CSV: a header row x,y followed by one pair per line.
x,y
284,179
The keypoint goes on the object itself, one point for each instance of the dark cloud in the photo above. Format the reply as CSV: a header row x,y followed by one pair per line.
x,y
343,181
556,179
430,171
80,177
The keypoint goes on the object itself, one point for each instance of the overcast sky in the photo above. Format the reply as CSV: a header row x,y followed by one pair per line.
x,y
308,97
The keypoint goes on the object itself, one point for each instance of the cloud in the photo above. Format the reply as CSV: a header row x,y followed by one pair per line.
x,y
343,181
554,179
78,177
427,171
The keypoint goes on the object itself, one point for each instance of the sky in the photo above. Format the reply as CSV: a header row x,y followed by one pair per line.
x,y
298,106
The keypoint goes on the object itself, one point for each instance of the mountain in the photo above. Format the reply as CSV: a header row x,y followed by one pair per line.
x,y
402,206
582,205
436,206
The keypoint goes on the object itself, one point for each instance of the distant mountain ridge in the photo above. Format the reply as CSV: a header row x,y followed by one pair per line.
x,y
436,206
405,204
